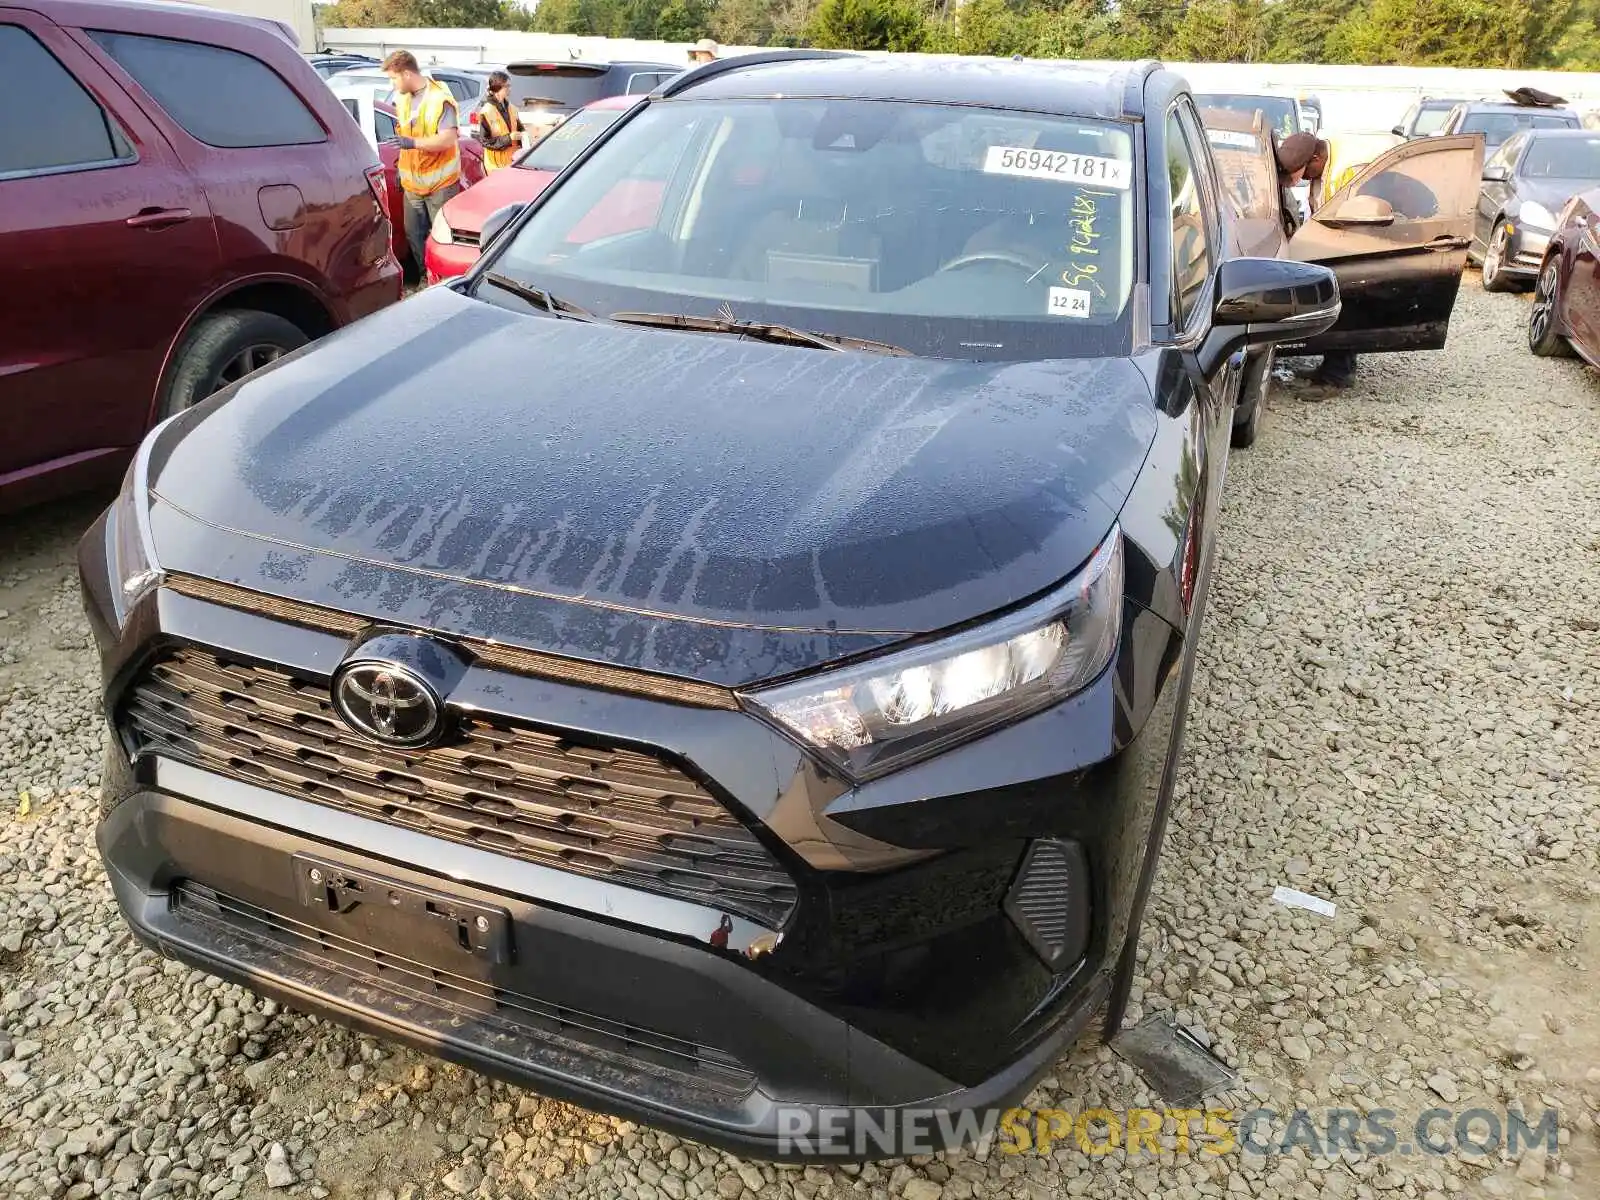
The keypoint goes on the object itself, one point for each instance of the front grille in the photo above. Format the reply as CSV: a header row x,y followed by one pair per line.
x,y
604,812
449,1006
463,237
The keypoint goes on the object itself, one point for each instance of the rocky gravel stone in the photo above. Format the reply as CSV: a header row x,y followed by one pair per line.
x,y
1396,709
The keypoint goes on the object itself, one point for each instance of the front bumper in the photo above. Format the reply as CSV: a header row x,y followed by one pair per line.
x,y
902,980
216,889
1525,251
448,262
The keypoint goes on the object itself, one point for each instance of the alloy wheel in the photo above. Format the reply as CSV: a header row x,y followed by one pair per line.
x,y
250,358
1496,253
1544,305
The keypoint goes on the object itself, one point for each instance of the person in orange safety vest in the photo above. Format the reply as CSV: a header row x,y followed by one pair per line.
x,y
430,156
498,127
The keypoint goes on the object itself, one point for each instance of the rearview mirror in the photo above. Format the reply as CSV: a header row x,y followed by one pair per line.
x,y
498,220
1266,300
1361,210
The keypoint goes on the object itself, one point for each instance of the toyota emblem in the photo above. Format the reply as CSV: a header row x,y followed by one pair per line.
x,y
388,703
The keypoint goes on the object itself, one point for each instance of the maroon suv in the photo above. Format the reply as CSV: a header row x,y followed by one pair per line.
x,y
182,199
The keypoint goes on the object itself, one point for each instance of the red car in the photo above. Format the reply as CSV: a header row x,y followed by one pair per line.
x,y
453,243
389,153
166,242
1565,314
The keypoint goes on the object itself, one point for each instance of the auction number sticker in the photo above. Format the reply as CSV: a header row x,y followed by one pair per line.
x,y
1231,139
1069,302
1059,165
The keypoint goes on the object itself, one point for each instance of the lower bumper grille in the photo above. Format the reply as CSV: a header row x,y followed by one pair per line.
x,y
514,1026
605,812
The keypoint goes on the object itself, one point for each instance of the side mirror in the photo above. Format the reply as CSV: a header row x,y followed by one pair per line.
x,y
1495,173
1265,300
497,221
1361,210
1399,131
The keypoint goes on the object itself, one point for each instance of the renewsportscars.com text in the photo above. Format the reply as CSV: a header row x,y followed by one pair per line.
x,y
1326,1133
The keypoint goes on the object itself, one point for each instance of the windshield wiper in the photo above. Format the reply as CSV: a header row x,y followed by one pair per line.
x,y
784,335
554,305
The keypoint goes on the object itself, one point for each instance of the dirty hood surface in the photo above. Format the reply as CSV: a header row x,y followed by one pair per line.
x,y
695,505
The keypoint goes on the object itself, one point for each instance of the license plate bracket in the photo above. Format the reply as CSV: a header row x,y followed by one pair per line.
x,y
386,910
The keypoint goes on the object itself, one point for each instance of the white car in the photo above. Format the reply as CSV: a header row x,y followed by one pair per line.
x,y
360,96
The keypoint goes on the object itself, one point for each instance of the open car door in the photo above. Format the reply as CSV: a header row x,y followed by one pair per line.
x,y
1396,235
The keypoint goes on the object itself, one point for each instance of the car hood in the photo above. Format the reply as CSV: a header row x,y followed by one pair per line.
x,y
694,505
1552,193
514,185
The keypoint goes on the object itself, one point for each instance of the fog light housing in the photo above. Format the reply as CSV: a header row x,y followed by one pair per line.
x,y
1049,902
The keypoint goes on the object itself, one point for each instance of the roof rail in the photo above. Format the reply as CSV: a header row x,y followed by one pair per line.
x,y
721,66
1133,92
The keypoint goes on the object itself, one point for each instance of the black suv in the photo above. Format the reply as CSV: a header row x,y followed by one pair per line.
x,y
548,92
1498,120
724,659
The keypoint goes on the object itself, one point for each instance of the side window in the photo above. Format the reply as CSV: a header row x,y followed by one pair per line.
x,y
1191,257
645,82
61,126
1507,154
386,130
462,89
189,80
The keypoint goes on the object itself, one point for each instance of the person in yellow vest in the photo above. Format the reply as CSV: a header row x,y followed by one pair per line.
x,y
430,158
498,127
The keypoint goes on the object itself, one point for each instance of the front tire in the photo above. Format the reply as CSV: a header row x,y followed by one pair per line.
x,y
1252,399
1543,336
1494,261
225,347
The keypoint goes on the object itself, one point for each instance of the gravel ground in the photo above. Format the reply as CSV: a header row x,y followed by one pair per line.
x,y
1398,709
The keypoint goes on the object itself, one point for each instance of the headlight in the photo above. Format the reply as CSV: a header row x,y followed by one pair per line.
x,y
441,231
890,711
134,571
1536,214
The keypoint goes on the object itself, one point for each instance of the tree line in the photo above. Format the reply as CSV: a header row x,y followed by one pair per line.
x,y
1557,34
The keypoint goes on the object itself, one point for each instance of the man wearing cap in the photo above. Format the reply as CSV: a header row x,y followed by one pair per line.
x,y
1305,157
1301,157
703,51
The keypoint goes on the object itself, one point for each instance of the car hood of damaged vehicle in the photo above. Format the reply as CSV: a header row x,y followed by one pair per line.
x,y
696,505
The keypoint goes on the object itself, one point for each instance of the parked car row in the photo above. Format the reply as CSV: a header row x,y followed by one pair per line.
x,y
757,590
1523,109
546,95
1526,183
453,242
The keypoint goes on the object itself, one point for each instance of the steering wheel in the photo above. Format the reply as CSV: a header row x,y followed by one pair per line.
x,y
997,256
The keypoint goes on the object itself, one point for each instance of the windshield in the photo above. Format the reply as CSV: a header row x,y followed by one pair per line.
x,y
950,232
1277,110
1496,127
563,143
1563,158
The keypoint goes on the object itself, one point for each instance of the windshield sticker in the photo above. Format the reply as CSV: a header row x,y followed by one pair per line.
x,y
1058,165
1231,139
1084,247
1069,302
